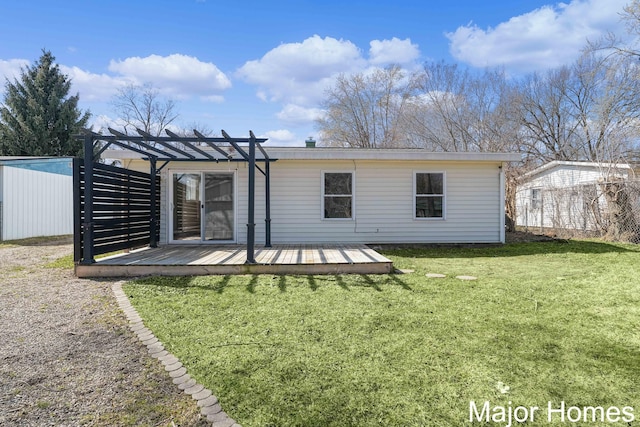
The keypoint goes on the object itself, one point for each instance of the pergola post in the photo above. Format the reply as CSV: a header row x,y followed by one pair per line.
x,y
87,225
251,226
267,205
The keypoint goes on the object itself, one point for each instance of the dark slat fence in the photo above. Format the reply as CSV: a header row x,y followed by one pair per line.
x,y
122,214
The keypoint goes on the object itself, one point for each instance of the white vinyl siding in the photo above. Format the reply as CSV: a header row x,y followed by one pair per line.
x,y
35,203
562,195
383,201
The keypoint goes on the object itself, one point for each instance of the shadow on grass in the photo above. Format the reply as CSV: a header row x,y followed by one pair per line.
x,y
252,283
40,241
507,250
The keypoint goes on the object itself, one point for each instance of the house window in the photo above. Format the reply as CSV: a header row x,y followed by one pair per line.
x,y
429,195
337,195
536,198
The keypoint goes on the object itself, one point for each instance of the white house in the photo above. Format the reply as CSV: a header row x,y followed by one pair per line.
x,y
567,195
36,197
322,195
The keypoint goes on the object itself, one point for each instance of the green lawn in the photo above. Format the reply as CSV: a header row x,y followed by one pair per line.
x,y
544,322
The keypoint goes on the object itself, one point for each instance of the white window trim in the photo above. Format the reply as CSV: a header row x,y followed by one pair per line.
x,y
444,196
353,195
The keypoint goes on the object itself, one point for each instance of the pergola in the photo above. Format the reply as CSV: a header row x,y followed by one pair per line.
x,y
159,151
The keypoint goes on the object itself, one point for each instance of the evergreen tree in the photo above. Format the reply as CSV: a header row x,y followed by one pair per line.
x,y
38,118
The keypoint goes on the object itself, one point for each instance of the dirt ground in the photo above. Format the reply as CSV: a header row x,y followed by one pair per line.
x,y
67,357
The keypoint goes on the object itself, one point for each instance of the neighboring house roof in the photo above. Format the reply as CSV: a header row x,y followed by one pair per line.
x,y
603,167
334,153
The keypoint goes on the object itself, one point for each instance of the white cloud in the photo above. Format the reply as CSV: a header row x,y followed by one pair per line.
x,y
308,61
93,87
298,74
282,137
394,51
544,38
296,114
11,70
176,75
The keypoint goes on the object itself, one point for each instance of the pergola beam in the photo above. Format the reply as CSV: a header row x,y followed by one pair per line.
x,y
165,144
190,145
211,144
141,143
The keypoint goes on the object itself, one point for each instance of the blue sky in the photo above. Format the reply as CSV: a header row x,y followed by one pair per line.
x,y
264,65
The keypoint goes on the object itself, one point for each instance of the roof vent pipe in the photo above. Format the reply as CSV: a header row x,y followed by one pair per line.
x,y
310,142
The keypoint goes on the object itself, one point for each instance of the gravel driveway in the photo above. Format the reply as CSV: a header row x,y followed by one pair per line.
x,y
67,357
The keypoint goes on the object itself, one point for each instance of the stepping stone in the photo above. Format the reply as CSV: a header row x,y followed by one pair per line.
x,y
168,359
155,347
181,379
143,333
220,417
201,394
210,410
150,341
404,271
209,401
188,384
159,353
178,372
194,389
436,275
466,277
173,366
136,327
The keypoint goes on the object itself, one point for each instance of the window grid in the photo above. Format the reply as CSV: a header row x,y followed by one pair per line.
x,y
429,195
337,195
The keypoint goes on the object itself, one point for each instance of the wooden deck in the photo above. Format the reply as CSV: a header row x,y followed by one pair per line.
x,y
179,260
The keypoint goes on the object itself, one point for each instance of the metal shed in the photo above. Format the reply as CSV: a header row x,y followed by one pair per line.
x,y
36,197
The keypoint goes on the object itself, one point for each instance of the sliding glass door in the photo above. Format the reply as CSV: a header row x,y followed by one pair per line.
x,y
203,207
218,206
186,206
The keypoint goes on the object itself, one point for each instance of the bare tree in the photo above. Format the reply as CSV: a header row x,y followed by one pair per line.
x,y
461,111
365,110
142,107
613,43
202,129
586,111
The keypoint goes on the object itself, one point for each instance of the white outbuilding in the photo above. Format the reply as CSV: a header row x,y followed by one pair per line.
x,y
36,197
569,195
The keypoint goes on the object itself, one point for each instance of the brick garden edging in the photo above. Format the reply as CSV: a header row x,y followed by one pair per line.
x,y
208,403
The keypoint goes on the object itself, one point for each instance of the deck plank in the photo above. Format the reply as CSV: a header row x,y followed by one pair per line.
x,y
231,259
